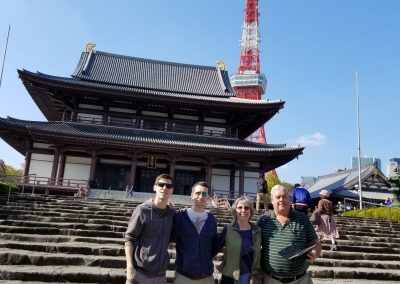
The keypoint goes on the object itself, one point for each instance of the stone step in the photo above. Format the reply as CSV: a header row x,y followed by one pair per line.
x,y
381,264
362,248
37,218
349,281
71,248
59,239
356,237
359,255
63,225
28,257
56,231
363,243
352,273
62,274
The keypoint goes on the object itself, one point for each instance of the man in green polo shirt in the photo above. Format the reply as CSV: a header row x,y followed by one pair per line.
x,y
281,228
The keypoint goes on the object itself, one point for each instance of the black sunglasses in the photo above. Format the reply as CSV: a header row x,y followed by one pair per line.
x,y
243,207
167,185
202,193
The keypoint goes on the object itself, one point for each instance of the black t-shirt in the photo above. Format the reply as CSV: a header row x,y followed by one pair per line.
x,y
261,186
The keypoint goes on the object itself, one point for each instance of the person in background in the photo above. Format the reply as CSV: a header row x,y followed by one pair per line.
x,y
148,235
242,242
388,202
327,226
129,190
262,192
281,228
195,234
300,199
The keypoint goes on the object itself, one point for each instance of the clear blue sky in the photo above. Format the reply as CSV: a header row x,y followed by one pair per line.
x,y
310,51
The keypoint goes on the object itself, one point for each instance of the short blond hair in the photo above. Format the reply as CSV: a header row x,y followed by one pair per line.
x,y
242,199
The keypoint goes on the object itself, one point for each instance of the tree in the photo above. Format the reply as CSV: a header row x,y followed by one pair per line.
x,y
10,170
394,181
271,181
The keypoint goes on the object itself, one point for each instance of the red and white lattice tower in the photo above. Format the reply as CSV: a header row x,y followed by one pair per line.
x,y
249,83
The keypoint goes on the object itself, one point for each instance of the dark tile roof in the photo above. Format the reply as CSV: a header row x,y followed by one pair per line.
x,y
132,135
113,69
194,98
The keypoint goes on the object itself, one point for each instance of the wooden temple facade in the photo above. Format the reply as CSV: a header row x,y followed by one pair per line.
x,y
122,120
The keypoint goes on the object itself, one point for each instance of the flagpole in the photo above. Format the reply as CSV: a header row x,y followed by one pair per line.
x,y
4,57
359,144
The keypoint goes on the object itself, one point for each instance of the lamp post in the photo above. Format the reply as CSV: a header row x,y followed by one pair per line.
x,y
359,144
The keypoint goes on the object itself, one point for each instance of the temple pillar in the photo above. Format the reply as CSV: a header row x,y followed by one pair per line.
x,y
61,168
241,181
93,165
105,113
28,156
232,182
54,169
132,174
209,173
172,167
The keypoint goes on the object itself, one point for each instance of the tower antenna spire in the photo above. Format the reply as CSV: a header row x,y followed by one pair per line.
x,y
249,82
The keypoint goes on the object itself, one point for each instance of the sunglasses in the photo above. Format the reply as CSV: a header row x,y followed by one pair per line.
x,y
202,193
167,185
243,207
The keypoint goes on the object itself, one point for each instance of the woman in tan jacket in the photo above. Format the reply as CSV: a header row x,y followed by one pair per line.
x,y
327,227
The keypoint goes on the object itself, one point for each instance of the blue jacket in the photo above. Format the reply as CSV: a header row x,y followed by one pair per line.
x,y
194,251
300,195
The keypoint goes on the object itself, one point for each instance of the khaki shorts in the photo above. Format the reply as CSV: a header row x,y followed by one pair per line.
x,y
180,279
140,278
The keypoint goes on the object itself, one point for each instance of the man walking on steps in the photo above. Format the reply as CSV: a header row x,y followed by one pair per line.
x,y
195,233
262,192
300,199
148,235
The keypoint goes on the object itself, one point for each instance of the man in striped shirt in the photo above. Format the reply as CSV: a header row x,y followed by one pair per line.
x,y
280,228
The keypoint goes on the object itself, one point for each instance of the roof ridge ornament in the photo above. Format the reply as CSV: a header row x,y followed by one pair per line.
x,y
221,65
89,49
90,46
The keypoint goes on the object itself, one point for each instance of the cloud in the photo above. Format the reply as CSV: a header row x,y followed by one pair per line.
x,y
315,139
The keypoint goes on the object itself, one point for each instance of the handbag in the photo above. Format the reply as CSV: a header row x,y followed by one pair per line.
x,y
315,217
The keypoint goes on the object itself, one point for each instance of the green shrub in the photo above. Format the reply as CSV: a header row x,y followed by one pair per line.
x,y
376,212
4,187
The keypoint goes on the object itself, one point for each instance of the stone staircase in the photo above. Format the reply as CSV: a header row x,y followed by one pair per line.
x,y
65,240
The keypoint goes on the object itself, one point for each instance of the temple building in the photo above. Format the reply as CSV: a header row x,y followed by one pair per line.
x,y
122,120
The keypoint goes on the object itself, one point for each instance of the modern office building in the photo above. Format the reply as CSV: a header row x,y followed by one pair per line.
x,y
393,164
365,161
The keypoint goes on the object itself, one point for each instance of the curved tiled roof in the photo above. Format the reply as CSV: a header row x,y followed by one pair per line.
x,y
124,135
340,182
72,83
142,73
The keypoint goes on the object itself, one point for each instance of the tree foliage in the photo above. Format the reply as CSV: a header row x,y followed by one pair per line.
x,y
10,170
271,181
394,181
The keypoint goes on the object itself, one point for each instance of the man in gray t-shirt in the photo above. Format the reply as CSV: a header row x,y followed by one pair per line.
x,y
148,235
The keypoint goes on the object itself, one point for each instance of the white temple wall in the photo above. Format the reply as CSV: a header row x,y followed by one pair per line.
x,y
77,168
221,177
41,165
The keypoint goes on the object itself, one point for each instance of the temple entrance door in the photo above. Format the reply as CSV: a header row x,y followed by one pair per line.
x,y
184,181
146,181
113,177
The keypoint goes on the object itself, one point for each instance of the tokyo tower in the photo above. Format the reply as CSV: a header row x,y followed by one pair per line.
x,y
249,83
